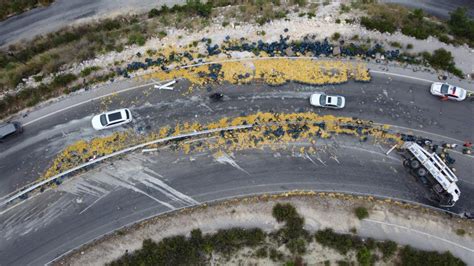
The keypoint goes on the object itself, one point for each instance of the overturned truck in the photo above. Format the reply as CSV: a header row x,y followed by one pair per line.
x,y
433,172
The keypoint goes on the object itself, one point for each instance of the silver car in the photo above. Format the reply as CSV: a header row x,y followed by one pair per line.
x,y
328,101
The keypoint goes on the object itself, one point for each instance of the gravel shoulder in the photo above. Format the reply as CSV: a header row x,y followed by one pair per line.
x,y
405,224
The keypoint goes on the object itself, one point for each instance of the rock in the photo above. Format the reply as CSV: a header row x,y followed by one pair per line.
x,y
336,51
289,52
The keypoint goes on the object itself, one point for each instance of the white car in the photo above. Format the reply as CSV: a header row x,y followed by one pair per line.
x,y
111,119
446,90
329,101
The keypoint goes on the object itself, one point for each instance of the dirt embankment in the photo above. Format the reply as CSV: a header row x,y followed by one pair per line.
x,y
406,224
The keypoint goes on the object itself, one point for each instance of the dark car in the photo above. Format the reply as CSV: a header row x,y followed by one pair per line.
x,y
9,129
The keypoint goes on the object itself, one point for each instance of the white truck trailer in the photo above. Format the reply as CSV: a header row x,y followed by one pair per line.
x,y
432,171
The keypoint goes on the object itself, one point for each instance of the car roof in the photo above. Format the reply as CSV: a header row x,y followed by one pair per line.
x,y
115,115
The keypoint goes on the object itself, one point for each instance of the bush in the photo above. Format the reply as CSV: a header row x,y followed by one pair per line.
x,y
361,212
153,13
379,24
396,44
276,255
88,70
388,248
338,21
409,46
284,212
410,256
343,243
136,38
461,25
460,232
297,246
63,80
262,252
230,240
336,36
364,257
345,8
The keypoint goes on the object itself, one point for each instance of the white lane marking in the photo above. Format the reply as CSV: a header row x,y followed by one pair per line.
x,y
95,201
86,101
420,232
405,76
152,83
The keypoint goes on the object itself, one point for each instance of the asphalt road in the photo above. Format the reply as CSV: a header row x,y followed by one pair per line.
x,y
439,8
385,100
64,13
139,186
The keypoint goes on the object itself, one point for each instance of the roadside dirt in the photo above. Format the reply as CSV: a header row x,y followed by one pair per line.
x,y
321,210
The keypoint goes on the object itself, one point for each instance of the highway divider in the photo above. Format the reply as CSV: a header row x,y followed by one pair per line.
x,y
31,187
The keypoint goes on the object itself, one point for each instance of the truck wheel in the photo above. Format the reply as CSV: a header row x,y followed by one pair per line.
x,y
406,163
415,164
421,172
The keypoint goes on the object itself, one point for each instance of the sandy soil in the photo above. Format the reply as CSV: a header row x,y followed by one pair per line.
x,y
320,211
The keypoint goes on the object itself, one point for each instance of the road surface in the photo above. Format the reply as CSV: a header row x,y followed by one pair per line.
x,y
141,186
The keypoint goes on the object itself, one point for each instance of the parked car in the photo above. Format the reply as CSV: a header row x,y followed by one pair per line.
x,y
9,129
329,101
449,91
111,119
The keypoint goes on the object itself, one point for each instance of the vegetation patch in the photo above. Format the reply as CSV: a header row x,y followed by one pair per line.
x,y
390,18
200,249
361,212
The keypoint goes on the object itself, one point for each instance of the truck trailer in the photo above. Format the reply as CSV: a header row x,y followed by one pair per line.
x,y
433,172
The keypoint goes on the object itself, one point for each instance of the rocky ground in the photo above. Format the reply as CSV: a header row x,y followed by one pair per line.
x,y
322,26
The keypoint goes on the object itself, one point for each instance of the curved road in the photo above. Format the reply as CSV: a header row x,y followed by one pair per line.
x,y
98,202
384,100
69,12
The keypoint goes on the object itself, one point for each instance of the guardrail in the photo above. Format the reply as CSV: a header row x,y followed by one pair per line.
x,y
23,191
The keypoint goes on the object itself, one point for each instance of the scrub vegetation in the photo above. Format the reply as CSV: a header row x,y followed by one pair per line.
x,y
286,245
458,30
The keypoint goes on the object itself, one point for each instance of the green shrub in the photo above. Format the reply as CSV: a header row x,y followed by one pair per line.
x,y
336,36
343,243
88,70
379,24
460,232
153,13
396,44
444,38
409,46
410,256
261,252
276,255
230,240
136,38
283,212
63,80
297,246
345,8
364,257
461,25
388,248
361,212
338,21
